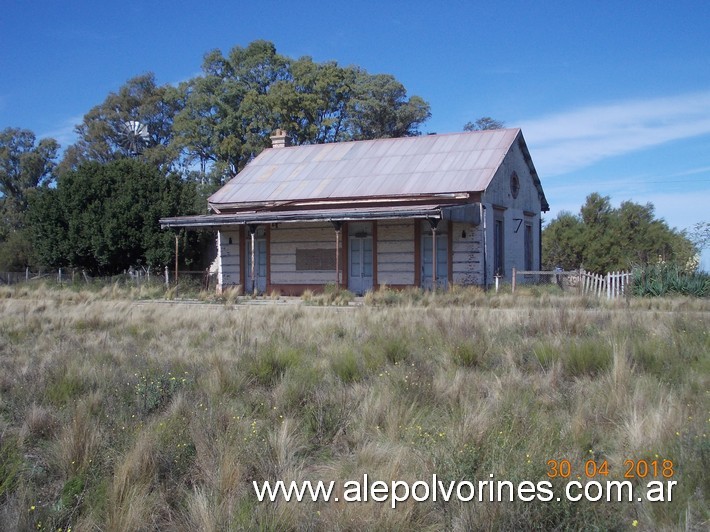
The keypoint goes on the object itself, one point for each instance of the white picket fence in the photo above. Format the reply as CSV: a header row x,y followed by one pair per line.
x,y
614,284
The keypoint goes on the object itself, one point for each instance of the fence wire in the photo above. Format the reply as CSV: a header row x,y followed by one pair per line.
x,y
613,285
201,279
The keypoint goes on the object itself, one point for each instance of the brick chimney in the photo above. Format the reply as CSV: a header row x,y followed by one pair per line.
x,y
280,139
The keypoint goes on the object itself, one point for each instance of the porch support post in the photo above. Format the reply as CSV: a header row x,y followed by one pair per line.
x,y
337,226
176,258
252,234
433,222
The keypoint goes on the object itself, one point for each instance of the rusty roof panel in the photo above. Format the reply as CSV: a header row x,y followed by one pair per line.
x,y
432,164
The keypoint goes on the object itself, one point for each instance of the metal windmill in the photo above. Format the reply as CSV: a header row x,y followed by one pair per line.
x,y
133,137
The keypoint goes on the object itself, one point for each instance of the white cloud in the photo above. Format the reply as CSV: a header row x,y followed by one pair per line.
x,y
577,138
692,171
681,209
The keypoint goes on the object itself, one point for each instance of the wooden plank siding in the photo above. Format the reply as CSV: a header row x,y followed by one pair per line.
x,y
229,257
466,254
286,239
396,252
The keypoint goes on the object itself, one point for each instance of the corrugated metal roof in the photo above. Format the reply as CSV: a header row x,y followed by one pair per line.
x,y
308,215
432,164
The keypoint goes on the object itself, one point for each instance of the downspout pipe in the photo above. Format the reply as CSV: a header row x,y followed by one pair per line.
x,y
539,244
485,246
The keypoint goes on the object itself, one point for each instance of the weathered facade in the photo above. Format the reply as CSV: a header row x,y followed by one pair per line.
x,y
416,211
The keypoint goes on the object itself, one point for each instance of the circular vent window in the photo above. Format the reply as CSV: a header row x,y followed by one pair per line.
x,y
514,184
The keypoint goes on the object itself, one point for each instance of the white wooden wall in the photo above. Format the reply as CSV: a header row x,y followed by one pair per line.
x,y
525,207
286,238
228,258
467,254
395,252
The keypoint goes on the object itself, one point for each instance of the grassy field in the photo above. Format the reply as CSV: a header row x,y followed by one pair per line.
x,y
118,414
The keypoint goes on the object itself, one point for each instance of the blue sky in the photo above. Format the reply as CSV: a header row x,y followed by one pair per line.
x,y
612,97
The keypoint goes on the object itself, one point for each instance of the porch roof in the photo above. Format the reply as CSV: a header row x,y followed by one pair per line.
x,y
433,211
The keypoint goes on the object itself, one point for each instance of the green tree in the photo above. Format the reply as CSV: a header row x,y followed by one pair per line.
x,y
229,111
24,166
641,237
104,217
562,242
483,123
380,108
700,235
313,105
221,119
600,243
225,118
136,121
603,238
196,125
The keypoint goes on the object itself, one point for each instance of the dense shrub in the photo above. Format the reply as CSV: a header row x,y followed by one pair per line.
x,y
669,279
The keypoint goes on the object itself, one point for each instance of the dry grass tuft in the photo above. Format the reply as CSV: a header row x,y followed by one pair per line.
x,y
132,499
79,441
40,423
117,414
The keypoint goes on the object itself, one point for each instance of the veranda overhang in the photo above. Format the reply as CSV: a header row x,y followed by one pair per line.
x,y
469,213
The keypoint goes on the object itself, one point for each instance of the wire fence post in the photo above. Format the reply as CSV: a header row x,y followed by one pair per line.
x,y
176,258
